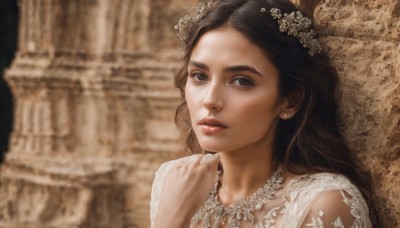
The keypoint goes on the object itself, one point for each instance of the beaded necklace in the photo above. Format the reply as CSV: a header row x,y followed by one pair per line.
x,y
242,210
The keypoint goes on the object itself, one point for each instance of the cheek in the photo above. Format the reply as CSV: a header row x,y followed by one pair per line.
x,y
255,116
191,99
260,105
251,120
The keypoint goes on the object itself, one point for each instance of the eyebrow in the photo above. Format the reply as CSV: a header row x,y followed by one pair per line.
x,y
242,68
199,65
232,69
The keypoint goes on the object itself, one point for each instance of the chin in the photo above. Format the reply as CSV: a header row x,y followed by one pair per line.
x,y
214,147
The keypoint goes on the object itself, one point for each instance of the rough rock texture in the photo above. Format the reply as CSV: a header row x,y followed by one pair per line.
x,y
363,39
94,105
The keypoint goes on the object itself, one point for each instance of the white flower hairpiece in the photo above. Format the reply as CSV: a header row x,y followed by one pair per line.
x,y
297,25
187,22
294,24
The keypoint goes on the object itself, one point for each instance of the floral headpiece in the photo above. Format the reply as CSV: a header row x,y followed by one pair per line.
x,y
187,22
297,25
294,24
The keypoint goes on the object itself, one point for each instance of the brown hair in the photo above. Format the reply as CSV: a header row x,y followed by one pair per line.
x,y
309,142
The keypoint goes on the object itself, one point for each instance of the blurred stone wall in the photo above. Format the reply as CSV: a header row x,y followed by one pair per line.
x,y
94,105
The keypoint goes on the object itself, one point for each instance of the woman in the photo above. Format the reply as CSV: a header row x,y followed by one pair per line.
x,y
259,101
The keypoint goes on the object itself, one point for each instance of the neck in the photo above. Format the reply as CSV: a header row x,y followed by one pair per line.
x,y
244,171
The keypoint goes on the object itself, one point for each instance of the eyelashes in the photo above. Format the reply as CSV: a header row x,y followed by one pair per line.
x,y
243,81
199,77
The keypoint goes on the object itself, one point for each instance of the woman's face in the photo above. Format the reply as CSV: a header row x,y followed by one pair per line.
x,y
231,92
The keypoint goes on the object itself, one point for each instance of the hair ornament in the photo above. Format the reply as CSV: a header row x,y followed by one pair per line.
x,y
297,25
186,23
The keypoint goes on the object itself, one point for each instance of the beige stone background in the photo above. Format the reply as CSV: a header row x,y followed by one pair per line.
x,y
94,104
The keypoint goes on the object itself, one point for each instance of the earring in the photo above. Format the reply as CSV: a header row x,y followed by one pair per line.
x,y
284,116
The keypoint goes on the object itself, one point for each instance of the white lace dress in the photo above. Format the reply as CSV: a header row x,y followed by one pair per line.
x,y
312,200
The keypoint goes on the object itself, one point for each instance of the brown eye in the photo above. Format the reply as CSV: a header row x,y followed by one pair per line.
x,y
243,81
198,76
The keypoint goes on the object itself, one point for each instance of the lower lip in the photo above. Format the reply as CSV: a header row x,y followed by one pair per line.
x,y
207,129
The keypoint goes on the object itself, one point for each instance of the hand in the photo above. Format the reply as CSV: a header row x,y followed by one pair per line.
x,y
185,189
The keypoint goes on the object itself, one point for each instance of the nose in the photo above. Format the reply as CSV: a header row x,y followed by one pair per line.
x,y
213,98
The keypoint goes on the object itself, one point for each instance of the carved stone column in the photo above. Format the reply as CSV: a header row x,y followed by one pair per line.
x,y
94,98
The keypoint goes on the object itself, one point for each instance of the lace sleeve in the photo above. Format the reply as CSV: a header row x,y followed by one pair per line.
x,y
337,209
155,192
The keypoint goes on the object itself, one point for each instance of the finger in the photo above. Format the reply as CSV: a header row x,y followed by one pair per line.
x,y
210,159
197,159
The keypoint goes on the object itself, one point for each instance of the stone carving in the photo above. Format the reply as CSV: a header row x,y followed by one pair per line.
x,y
92,83
94,105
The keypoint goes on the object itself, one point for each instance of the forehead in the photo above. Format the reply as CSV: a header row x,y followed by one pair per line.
x,y
222,40
226,47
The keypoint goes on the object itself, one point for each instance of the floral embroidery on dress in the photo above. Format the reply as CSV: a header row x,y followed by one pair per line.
x,y
349,202
317,222
270,218
293,202
338,223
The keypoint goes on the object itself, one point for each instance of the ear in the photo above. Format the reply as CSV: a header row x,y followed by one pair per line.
x,y
292,104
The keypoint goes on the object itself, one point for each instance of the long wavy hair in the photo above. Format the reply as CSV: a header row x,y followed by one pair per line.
x,y
309,142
